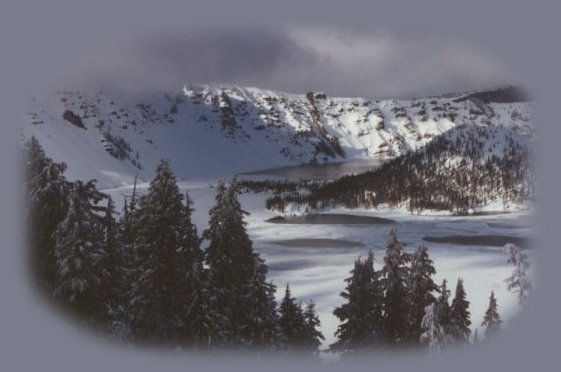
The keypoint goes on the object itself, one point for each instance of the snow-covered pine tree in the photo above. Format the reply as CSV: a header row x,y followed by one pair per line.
x,y
361,327
199,323
262,329
237,275
433,333
492,320
82,276
127,233
395,274
459,315
292,324
444,305
46,206
519,281
117,286
420,289
314,335
156,276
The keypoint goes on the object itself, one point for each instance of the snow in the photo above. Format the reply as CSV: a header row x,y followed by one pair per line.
x,y
272,129
319,273
201,153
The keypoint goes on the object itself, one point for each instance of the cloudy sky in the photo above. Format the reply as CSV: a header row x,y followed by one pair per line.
x,y
296,59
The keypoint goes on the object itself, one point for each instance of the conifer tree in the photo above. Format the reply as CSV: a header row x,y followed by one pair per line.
x,y
519,281
159,240
314,335
82,276
395,292
262,326
113,250
128,233
46,205
433,334
238,275
459,315
492,320
420,288
117,286
361,319
444,305
292,324
199,323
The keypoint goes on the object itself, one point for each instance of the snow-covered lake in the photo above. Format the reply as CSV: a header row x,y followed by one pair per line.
x,y
318,273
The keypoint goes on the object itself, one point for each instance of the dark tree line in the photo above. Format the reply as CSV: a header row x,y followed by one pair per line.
x,y
144,277
456,171
400,306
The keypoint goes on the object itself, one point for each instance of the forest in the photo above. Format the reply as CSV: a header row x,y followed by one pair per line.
x,y
460,170
147,276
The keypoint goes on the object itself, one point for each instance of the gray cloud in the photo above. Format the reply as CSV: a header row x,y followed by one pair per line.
x,y
341,63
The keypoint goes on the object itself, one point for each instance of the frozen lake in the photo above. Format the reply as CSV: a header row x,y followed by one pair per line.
x,y
317,272
319,171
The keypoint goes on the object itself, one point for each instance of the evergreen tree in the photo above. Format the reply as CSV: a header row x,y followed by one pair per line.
x,y
292,324
128,233
459,315
159,245
519,281
262,318
444,305
82,277
314,335
420,288
238,276
433,333
361,319
46,205
114,259
395,292
117,286
199,323
492,320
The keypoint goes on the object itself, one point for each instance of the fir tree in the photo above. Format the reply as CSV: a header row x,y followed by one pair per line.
x,y
199,323
117,286
82,275
114,259
444,305
492,320
433,333
459,315
519,281
361,319
420,288
156,290
46,203
395,291
238,275
292,323
262,318
128,233
314,335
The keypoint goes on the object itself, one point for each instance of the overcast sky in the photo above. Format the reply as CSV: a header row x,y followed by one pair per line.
x,y
296,59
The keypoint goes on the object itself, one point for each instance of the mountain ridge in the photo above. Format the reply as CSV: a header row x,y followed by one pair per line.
x,y
218,131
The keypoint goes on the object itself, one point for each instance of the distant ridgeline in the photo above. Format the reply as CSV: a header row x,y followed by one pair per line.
x,y
466,167
110,135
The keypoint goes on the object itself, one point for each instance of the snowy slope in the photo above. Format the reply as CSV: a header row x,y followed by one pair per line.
x,y
214,132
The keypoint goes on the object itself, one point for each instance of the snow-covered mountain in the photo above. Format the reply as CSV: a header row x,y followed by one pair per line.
x,y
211,132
